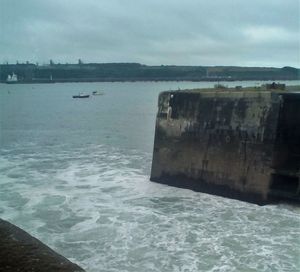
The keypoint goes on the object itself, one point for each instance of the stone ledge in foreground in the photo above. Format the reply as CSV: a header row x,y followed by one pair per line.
x,y
19,251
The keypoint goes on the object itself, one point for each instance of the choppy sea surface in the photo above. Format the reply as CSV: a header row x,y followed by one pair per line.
x,y
75,174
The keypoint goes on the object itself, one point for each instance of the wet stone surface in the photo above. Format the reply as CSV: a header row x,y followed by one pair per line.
x,y
19,251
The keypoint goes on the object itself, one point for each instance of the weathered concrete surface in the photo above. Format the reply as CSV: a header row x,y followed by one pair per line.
x,y
21,252
242,144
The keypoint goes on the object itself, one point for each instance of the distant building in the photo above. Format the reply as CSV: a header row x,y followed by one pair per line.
x,y
12,78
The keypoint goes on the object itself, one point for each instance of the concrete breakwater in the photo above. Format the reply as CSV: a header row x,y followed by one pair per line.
x,y
19,251
238,143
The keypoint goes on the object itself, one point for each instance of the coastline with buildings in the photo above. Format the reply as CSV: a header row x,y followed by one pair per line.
x,y
120,72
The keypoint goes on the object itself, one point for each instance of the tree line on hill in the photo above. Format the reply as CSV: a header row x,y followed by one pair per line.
x,y
89,72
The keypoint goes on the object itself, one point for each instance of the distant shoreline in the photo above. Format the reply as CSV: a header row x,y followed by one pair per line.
x,y
140,80
131,72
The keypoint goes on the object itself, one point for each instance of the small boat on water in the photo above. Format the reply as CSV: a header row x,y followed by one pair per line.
x,y
81,95
97,93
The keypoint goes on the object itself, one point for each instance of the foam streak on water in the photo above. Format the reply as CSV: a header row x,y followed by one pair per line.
x,y
76,175
101,211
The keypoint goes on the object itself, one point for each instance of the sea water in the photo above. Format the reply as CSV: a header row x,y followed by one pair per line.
x,y
75,174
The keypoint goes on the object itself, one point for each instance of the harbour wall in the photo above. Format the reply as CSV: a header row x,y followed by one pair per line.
x,y
19,251
237,143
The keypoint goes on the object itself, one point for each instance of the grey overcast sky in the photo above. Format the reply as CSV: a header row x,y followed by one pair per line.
x,y
154,32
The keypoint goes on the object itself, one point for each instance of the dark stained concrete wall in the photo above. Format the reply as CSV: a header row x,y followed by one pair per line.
x,y
220,141
21,252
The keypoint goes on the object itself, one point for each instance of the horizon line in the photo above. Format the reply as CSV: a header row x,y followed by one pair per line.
x,y
79,62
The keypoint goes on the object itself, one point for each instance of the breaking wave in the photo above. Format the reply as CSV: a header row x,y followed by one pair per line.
x,y
96,206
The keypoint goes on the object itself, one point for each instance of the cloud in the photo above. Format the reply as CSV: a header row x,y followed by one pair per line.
x,y
190,32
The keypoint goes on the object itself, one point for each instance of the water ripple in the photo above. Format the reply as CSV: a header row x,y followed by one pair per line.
x,y
99,209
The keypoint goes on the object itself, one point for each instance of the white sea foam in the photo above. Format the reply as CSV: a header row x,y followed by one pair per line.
x,y
100,210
